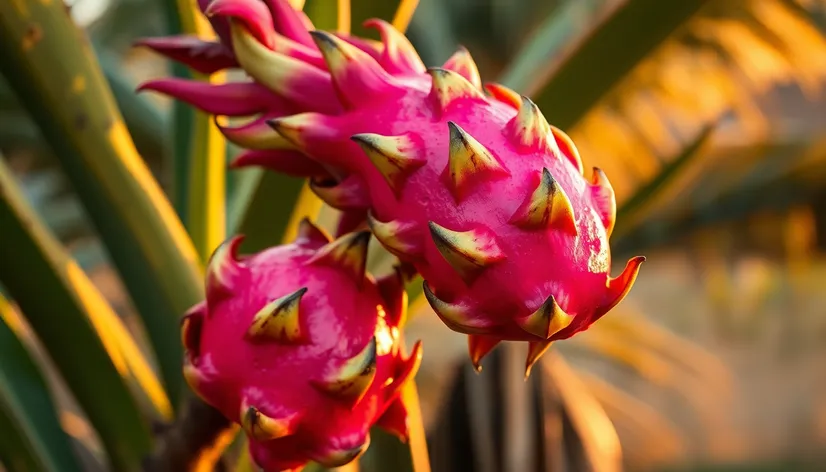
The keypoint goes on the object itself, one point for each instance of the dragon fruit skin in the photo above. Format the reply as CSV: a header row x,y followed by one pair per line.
x,y
478,192
301,347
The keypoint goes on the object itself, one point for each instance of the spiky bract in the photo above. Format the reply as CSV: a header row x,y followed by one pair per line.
x,y
301,348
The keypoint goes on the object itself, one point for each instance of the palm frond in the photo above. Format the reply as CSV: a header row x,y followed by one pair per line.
x,y
716,68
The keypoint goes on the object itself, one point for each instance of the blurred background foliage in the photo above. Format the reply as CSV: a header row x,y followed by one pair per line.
x,y
708,116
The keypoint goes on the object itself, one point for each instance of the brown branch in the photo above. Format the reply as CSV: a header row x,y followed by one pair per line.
x,y
194,442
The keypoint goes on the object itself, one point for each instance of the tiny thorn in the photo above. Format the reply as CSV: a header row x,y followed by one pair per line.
x,y
468,252
449,86
469,161
402,239
262,427
280,319
546,207
224,271
341,457
535,351
547,320
395,157
309,232
349,252
352,380
456,316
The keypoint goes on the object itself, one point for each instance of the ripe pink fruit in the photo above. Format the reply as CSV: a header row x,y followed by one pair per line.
x,y
478,192
301,347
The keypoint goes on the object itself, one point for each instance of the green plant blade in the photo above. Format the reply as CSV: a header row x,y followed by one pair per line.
x,y
60,303
74,108
205,162
206,217
565,84
549,42
145,122
31,438
143,119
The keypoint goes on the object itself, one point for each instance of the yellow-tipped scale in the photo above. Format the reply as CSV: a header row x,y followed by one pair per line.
x,y
547,206
547,320
449,86
352,380
348,252
280,319
395,157
469,159
468,252
262,427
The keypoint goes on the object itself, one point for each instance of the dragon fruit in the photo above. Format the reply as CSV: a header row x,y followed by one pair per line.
x,y
301,347
477,191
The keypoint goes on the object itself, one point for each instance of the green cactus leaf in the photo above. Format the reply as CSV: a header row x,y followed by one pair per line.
x,y
31,438
64,309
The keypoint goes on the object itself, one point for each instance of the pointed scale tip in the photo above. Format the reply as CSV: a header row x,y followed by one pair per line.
x,y
261,427
307,86
340,457
547,206
449,86
258,134
351,381
462,63
395,157
194,378
309,232
535,351
254,16
567,147
504,94
455,316
224,270
349,252
480,346
356,75
530,130
346,195
468,252
398,54
619,287
410,366
302,128
279,320
604,200
402,239
547,320
469,161
191,325
405,370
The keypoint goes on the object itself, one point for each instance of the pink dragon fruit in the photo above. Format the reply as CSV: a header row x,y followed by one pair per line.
x,y
478,192
301,347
